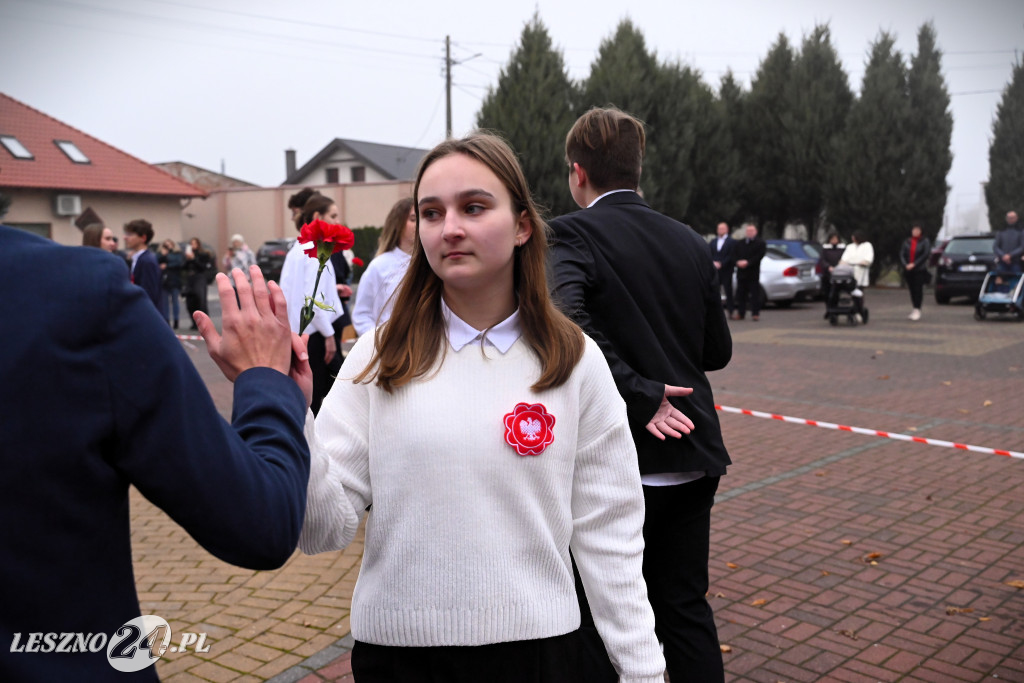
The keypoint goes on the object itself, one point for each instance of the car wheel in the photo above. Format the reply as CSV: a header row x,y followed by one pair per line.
x,y
864,315
784,303
979,313
941,298
833,320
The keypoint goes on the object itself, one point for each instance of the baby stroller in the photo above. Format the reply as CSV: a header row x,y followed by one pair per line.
x,y
845,298
1001,292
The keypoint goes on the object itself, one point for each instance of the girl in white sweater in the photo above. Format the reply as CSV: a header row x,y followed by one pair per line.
x,y
486,432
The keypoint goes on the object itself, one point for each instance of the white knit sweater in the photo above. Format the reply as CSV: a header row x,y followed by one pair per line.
x,y
467,542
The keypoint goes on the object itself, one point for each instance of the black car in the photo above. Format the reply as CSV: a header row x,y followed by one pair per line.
x,y
270,257
962,267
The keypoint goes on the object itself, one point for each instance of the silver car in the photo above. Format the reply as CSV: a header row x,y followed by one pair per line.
x,y
785,279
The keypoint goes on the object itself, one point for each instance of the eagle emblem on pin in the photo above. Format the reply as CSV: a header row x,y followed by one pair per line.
x,y
529,428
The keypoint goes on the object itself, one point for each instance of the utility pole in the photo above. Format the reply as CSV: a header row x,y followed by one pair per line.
x,y
448,85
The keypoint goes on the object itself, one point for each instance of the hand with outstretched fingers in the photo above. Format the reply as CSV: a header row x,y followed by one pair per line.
x,y
255,331
669,420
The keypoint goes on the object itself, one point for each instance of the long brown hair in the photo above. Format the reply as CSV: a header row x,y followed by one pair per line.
x,y
408,345
394,226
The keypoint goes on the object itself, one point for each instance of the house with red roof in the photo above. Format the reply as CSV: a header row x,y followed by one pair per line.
x,y
57,180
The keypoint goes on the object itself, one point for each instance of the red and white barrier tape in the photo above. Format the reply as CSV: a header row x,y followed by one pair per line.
x,y
190,337
872,432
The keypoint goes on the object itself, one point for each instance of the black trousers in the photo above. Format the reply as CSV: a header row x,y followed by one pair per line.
x,y
546,660
748,289
323,373
725,277
677,542
915,283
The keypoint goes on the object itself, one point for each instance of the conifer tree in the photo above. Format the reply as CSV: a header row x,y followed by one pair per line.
x,y
929,131
868,182
766,114
736,182
533,107
1004,190
819,101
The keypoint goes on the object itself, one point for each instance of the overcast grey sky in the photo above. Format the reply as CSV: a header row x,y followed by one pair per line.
x,y
240,81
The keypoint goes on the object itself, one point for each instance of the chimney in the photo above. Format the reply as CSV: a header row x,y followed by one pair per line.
x,y
289,163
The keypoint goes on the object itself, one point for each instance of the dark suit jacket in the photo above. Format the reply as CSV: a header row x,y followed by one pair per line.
x,y
97,394
726,255
644,287
147,275
753,251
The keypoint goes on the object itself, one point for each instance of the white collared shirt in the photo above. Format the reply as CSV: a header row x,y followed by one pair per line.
x,y
460,333
608,193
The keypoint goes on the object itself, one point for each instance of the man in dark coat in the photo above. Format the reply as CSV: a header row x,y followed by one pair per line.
x,y
98,396
645,288
749,253
723,249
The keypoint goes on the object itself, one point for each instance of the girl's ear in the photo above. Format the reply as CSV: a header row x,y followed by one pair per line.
x,y
524,229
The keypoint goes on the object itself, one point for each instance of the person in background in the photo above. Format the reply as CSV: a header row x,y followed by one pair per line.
x,y
298,200
860,255
485,430
831,253
722,248
241,255
1009,245
749,253
298,277
612,262
96,235
374,299
145,269
199,262
95,392
172,262
914,255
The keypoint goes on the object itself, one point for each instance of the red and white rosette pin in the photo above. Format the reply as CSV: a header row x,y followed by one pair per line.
x,y
528,428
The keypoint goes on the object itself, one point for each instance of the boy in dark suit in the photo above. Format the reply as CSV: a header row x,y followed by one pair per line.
x,y
145,269
645,288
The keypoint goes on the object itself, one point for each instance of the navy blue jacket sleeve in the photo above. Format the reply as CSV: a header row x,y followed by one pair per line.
x,y
239,490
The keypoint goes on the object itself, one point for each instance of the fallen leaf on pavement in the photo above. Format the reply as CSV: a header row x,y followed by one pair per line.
x,y
825,572
732,565
758,602
883,377
984,618
719,595
879,353
964,411
1016,583
873,556
959,610
846,542
725,648
819,474
987,403
848,633
948,383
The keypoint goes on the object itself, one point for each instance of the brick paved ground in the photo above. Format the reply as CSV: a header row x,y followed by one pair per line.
x,y
835,556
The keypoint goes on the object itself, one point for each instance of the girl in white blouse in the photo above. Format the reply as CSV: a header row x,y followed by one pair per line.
x,y
375,296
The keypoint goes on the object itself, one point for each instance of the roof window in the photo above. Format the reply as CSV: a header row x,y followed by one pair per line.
x,y
71,150
14,146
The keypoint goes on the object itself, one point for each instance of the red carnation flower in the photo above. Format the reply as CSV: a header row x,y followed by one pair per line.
x,y
325,238
528,428
356,261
